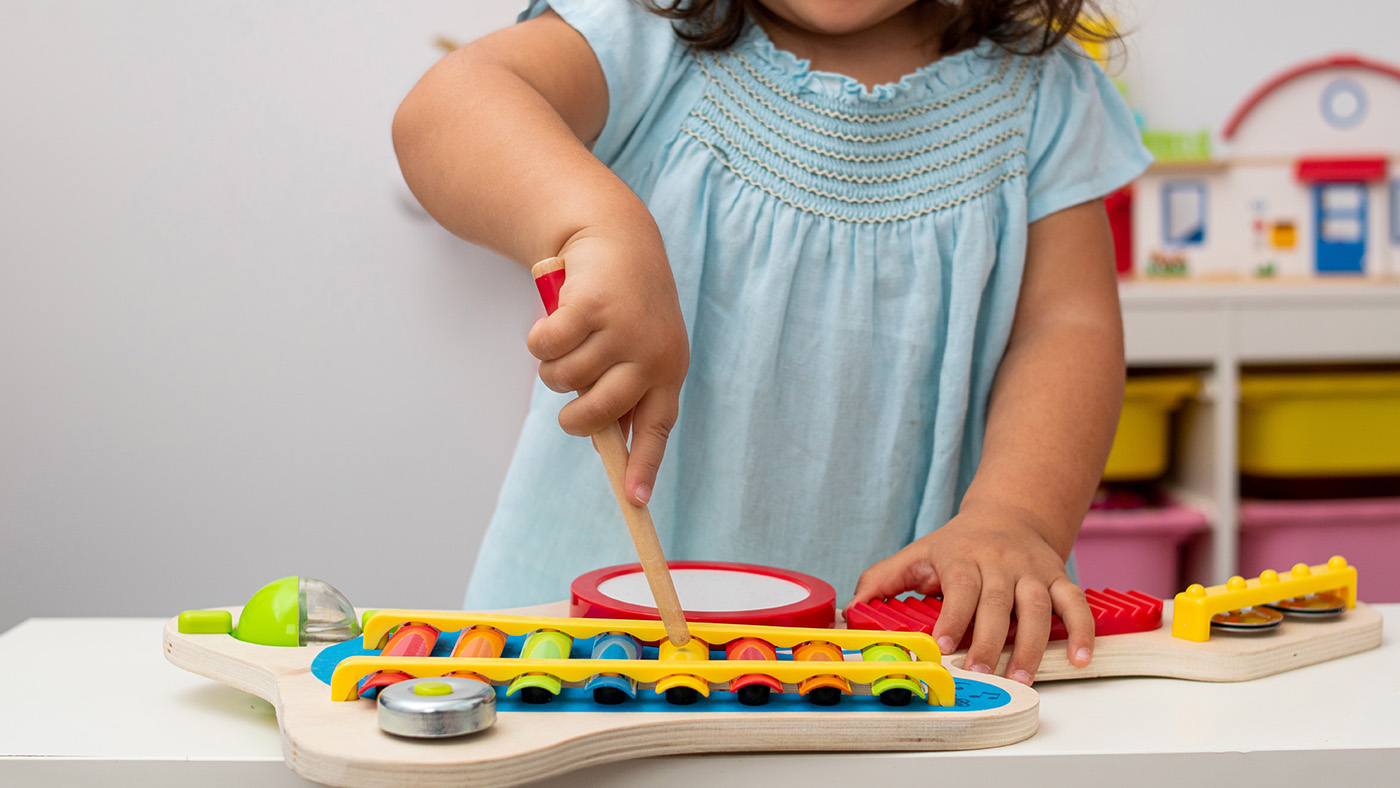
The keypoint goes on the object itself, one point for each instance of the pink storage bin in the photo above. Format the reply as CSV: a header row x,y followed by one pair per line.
x,y
1136,549
1365,531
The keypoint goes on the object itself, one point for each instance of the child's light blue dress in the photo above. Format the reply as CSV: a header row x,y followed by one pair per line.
x,y
848,264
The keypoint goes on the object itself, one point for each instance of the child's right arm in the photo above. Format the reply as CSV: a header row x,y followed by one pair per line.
x,y
493,143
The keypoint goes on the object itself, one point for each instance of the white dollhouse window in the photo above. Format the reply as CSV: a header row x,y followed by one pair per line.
x,y
1343,103
1341,198
1342,231
1184,213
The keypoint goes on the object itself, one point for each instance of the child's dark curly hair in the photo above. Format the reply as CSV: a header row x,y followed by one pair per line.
x,y
1023,26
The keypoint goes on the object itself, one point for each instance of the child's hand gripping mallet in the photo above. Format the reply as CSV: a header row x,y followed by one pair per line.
x,y
612,447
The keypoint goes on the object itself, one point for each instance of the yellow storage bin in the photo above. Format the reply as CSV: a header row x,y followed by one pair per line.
x,y
1142,444
1331,424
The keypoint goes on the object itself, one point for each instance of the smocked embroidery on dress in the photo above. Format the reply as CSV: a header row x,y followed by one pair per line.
x,y
896,164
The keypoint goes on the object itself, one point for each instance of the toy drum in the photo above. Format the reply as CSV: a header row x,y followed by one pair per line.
x,y
710,592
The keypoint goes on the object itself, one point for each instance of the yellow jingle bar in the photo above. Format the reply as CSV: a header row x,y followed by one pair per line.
x,y
574,672
377,627
1194,607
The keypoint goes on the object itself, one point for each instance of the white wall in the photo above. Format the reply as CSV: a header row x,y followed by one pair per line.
x,y
229,353
1190,62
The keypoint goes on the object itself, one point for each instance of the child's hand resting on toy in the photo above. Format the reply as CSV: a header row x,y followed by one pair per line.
x,y
990,562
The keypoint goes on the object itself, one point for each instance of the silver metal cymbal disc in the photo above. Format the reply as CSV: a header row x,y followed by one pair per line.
x,y
437,707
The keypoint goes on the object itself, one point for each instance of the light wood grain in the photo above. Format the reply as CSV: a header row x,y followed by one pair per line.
x,y
612,447
341,743
1225,657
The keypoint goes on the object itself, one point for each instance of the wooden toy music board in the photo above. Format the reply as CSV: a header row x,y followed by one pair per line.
x,y
341,743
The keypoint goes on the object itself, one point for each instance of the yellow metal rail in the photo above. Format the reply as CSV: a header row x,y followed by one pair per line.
x,y
924,666
646,672
1194,607
381,622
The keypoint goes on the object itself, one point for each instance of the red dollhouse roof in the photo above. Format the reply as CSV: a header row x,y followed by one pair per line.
x,y
1279,80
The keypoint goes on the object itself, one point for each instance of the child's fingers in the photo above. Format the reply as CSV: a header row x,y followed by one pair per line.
x,y
1032,630
906,570
577,370
1074,610
961,584
652,420
991,625
879,581
557,335
613,395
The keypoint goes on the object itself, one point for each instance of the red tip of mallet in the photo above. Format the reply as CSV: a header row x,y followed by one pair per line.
x,y
549,278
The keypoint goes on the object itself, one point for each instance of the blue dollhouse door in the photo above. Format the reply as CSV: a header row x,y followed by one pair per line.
x,y
1340,213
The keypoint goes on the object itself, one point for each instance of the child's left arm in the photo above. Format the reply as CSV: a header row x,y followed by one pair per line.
x,y
1051,418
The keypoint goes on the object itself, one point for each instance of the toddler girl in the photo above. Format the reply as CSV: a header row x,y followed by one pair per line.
x,y
867,236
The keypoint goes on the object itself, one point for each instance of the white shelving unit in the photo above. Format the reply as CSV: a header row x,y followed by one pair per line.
x,y
1220,327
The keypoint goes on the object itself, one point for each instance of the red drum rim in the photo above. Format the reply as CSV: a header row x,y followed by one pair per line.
x,y
817,609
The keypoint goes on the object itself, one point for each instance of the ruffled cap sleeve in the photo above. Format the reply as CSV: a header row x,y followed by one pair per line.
x,y
1083,141
638,51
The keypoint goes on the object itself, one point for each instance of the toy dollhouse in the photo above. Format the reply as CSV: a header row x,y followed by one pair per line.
x,y
1310,185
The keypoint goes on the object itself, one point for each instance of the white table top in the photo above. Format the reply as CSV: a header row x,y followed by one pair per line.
x,y
145,722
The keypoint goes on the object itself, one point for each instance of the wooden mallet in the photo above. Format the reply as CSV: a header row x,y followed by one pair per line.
x,y
612,447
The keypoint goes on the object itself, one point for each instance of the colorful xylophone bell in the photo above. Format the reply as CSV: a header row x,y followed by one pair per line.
x,y
737,658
